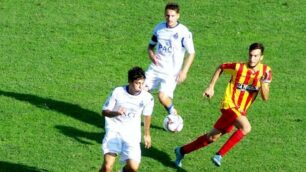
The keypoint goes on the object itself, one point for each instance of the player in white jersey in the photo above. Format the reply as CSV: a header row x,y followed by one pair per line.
x,y
123,110
167,50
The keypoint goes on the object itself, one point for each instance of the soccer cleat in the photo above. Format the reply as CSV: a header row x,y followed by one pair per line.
x,y
217,160
179,157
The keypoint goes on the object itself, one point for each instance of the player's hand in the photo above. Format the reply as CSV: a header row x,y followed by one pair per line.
x,y
147,141
121,111
209,92
154,58
181,77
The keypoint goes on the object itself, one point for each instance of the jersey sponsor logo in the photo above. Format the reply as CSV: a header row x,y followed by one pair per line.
x,y
129,115
165,47
249,88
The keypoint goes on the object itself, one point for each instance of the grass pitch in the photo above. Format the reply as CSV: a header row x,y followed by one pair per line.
x,y
60,60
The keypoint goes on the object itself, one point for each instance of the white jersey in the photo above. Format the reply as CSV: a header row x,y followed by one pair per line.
x,y
128,125
172,43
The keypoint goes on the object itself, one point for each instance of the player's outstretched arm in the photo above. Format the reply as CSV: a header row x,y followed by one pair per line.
x,y
209,91
147,135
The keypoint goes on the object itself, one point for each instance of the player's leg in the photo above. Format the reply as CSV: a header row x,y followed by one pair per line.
x,y
243,124
131,156
108,162
167,102
131,166
165,95
200,142
111,147
152,80
244,127
223,125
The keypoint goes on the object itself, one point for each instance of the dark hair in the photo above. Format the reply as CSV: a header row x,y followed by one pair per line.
x,y
136,73
255,46
172,6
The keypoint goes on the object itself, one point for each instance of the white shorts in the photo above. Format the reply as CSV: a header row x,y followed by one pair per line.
x,y
113,143
165,83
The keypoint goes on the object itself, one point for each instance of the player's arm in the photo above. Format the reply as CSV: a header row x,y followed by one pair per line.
x,y
187,63
151,52
265,85
189,46
209,91
110,114
264,91
147,135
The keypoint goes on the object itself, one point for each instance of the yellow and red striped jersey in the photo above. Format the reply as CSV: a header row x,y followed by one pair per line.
x,y
244,85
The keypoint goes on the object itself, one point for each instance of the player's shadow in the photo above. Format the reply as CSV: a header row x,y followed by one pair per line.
x,y
72,110
160,156
81,136
154,126
69,109
9,167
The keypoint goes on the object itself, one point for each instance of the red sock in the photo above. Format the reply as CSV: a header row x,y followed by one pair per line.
x,y
231,142
200,142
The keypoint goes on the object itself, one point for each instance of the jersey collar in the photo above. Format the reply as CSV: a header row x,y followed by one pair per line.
x,y
174,26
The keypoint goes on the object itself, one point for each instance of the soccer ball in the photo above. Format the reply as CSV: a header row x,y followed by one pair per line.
x,y
173,123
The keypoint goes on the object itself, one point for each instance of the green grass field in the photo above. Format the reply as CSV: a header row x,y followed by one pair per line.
x,y
60,59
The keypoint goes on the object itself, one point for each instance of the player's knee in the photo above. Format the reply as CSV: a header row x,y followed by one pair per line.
x,y
246,130
131,168
213,138
106,167
214,135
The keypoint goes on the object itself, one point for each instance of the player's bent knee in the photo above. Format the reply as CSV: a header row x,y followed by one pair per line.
x,y
246,130
214,135
132,168
107,167
213,138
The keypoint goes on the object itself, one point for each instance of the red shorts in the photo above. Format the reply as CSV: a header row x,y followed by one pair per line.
x,y
226,121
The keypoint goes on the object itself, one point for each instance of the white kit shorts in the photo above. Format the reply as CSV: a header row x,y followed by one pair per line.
x,y
113,142
165,83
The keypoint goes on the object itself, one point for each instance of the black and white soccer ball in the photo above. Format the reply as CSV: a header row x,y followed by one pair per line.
x,y
173,123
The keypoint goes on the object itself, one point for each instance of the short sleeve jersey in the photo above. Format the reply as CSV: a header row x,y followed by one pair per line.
x,y
129,124
244,85
171,45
